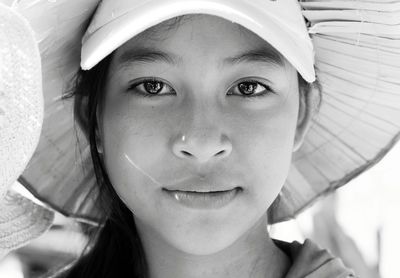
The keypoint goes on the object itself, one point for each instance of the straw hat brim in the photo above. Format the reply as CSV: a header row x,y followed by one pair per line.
x,y
357,64
21,105
21,220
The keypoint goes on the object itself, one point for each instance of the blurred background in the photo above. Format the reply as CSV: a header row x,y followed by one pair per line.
x,y
359,223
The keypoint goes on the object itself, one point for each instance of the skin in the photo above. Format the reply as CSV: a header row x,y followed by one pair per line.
x,y
230,140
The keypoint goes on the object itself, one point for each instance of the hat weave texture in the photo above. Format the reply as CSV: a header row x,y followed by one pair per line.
x,y
21,116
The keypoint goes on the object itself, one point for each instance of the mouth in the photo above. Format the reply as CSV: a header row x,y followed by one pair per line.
x,y
203,199
202,190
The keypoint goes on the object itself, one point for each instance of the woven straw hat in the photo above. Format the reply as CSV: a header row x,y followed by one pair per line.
x,y
357,62
21,116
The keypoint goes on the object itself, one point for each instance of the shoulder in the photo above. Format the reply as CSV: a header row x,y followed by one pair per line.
x,y
311,261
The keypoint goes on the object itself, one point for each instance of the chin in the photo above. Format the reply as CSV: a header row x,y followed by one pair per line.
x,y
207,238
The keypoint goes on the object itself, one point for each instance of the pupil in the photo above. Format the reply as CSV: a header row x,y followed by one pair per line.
x,y
247,88
153,87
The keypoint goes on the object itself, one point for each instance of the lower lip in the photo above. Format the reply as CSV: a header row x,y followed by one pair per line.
x,y
202,200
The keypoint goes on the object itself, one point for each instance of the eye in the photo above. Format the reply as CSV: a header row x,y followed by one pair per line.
x,y
151,87
251,88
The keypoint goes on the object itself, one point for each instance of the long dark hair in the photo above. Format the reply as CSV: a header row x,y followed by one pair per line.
x,y
114,249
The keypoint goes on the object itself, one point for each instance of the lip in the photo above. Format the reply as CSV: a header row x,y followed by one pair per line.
x,y
203,200
204,185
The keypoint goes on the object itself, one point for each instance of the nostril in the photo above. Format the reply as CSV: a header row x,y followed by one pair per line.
x,y
186,153
201,149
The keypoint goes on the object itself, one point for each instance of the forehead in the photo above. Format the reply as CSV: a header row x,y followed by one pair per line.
x,y
200,35
206,26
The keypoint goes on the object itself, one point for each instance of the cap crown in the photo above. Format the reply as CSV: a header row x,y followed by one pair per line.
x,y
280,23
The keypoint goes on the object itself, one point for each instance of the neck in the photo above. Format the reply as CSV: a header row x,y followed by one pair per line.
x,y
252,255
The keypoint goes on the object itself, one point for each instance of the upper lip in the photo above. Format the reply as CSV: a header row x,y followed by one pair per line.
x,y
200,185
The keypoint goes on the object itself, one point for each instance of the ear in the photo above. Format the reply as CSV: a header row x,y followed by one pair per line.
x,y
309,97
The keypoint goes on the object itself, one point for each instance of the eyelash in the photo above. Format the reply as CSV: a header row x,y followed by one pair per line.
x,y
267,89
133,87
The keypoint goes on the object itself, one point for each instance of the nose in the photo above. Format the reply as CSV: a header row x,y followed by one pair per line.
x,y
202,147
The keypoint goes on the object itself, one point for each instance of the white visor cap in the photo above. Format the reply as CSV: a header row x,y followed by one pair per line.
x,y
278,22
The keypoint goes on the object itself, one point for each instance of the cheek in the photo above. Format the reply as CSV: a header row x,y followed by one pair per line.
x,y
265,148
134,145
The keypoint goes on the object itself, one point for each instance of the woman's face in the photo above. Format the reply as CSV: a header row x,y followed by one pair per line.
x,y
204,105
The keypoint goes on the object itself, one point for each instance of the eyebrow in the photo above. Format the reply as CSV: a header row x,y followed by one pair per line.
x,y
146,55
256,55
151,55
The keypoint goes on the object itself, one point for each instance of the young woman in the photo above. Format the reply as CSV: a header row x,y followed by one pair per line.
x,y
192,111
197,119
